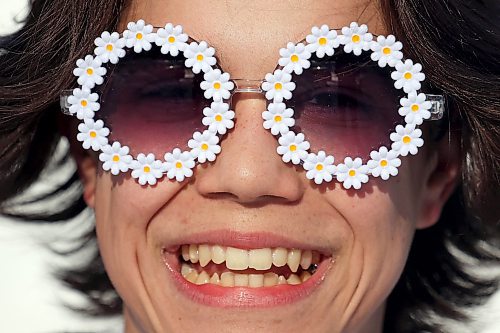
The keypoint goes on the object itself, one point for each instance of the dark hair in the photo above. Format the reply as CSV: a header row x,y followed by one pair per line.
x,y
458,44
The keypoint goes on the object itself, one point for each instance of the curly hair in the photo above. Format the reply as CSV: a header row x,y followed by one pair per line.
x,y
456,41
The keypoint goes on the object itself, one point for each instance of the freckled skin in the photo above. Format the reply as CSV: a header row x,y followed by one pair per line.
x,y
249,189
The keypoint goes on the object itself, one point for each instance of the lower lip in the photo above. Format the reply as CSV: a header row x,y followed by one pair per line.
x,y
227,297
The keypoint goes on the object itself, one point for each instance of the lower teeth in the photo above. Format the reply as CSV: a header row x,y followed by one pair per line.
x,y
230,279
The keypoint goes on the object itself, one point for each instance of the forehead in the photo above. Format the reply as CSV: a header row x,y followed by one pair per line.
x,y
240,30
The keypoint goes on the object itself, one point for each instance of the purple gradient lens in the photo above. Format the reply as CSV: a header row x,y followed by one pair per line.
x,y
346,106
153,104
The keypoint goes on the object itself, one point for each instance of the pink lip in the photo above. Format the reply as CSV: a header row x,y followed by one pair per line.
x,y
244,297
250,240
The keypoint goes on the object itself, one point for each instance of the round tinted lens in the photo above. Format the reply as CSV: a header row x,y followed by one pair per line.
x,y
152,103
346,105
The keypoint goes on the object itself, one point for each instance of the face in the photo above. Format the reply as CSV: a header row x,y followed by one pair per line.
x,y
249,204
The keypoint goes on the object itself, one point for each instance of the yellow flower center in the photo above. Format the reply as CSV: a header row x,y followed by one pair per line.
x,y
406,139
93,134
408,75
116,158
178,165
386,50
139,36
277,118
355,38
383,163
322,41
218,117
352,173
217,85
278,86
90,71
171,39
204,146
414,107
147,169
319,167
293,147
109,47
199,57
84,103
294,58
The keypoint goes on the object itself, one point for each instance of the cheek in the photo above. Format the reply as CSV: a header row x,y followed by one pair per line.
x,y
381,224
119,234
122,214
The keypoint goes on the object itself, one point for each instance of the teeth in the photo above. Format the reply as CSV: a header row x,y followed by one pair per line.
x,y
230,279
256,280
202,278
227,279
193,253
270,279
306,259
218,254
241,280
305,276
294,279
294,259
192,276
204,254
186,269
236,259
260,259
280,256
215,279
185,252
240,259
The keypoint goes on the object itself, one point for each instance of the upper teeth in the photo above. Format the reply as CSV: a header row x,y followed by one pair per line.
x,y
240,259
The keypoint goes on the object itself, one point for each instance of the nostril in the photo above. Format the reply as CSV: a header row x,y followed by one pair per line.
x,y
251,201
221,196
245,186
247,201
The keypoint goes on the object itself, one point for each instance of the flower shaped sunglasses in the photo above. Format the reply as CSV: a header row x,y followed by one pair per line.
x,y
333,94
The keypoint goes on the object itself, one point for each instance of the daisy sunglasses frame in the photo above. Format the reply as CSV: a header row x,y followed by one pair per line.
x,y
277,87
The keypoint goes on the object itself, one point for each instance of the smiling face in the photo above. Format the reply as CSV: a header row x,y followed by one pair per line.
x,y
247,222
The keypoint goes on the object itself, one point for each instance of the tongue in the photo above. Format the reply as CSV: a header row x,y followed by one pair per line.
x,y
212,268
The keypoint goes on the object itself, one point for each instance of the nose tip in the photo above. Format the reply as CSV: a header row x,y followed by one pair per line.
x,y
246,185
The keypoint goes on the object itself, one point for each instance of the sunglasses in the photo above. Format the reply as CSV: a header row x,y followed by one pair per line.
x,y
344,97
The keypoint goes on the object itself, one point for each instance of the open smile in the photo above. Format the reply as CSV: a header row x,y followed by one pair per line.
x,y
233,267
217,274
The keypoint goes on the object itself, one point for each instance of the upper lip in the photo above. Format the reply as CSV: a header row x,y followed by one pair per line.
x,y
245,240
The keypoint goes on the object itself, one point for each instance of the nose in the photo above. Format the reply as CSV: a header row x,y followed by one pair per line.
x,y
248,169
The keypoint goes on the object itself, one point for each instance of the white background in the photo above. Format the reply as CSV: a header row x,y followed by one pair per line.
x,y
10,9
31,299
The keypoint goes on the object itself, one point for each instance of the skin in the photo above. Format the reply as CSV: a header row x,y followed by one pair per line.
x,y
250,189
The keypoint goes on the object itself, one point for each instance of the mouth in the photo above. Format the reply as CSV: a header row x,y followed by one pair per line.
x,y
234,267
229,269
